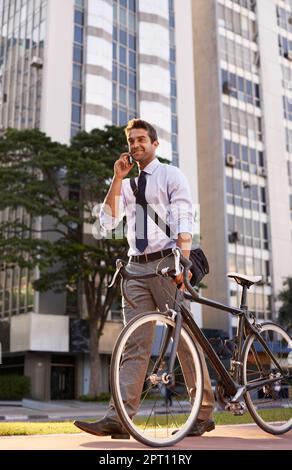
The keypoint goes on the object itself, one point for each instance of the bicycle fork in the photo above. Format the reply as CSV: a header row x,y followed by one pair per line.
x,y
166,377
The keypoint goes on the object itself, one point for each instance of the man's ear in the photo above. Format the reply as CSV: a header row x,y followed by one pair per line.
x,y
156,143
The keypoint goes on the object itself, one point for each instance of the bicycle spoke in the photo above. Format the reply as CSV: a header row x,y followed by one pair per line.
x,y
158,413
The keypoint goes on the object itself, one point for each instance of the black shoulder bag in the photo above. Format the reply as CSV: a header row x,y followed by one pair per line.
x,y
200,265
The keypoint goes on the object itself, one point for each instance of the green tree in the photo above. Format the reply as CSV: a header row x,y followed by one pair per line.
x,y
285,311
58,186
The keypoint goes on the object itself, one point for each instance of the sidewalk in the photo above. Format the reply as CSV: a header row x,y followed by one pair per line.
x,y
236,437
33,410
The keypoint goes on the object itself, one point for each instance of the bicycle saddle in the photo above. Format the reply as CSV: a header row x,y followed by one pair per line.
x,y
244,280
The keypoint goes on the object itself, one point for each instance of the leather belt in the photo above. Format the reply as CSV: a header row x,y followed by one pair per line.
x,y
150,256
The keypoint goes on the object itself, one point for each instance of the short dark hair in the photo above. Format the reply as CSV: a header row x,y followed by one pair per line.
x,y
140,124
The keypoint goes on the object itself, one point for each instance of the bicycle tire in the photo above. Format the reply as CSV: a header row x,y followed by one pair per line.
x,y
269,405
154,422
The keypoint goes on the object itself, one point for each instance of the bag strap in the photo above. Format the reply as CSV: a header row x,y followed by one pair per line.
x,y
151,212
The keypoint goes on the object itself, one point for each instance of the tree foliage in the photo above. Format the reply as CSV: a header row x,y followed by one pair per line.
x,y
285,311
48,192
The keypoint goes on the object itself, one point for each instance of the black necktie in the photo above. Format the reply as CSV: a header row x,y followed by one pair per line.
x,y
141,214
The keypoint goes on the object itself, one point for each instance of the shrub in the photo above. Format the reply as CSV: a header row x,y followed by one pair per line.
x,y
14,387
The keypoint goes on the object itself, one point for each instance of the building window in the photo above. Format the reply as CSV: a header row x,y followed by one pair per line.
x,y
246,195
22,38
78,52
242,123
76,114
173,90
238,54
239,23
78,34
124,61
287,105
238,87
248,159
284,19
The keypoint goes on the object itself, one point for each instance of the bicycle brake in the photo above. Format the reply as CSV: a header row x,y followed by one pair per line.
x,y
119,265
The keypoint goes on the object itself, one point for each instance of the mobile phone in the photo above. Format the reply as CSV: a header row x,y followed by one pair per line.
x,y
130,159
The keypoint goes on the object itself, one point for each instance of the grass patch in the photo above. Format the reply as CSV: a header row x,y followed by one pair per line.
x,y
225,417
27,429
67,427
222,417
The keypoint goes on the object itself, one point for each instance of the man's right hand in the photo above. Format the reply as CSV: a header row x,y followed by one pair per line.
x,y
122,166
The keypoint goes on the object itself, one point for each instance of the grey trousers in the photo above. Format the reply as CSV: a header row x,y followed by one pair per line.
x,y
151,295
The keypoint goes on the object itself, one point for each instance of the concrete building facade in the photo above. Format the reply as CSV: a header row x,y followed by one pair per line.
x,y
242,55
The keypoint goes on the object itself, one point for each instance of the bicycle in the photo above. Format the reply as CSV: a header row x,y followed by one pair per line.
x,y
261,361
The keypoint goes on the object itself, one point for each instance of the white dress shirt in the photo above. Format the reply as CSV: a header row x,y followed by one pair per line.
x,y
167,191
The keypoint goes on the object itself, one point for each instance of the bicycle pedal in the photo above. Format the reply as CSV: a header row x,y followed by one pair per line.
x,y
237,408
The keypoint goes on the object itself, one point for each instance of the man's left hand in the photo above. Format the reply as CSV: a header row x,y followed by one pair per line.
x,y
179,280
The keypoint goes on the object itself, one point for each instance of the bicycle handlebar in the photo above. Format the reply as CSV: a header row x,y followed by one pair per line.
x,y
127,276
186,263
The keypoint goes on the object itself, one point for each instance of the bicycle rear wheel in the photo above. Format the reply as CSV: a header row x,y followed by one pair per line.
x,y
153,420
270,405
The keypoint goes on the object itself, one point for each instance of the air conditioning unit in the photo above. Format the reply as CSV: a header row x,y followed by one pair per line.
x,y
230,160
36,62
234,237
288,55
289,20
246,184
226,88
262,172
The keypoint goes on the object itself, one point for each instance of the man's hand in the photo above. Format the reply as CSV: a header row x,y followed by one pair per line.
x,y
122,166
179,280
184,242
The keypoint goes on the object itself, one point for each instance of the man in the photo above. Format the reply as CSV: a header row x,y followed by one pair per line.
x,y
165,188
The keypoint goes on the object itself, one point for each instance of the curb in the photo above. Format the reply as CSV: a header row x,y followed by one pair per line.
x,y
22,417
48,417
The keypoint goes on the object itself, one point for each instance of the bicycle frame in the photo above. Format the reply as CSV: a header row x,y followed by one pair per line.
x,y
233,386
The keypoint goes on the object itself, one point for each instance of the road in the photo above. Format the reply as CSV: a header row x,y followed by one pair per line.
x,y
235,437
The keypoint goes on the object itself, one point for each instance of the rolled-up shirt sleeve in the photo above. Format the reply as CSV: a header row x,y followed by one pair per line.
x,y
181,215
108,222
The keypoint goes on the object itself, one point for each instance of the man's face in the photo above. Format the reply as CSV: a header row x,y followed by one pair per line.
x,y
140,145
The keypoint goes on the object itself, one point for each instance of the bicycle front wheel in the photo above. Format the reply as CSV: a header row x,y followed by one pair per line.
x,y
270,404
152,416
